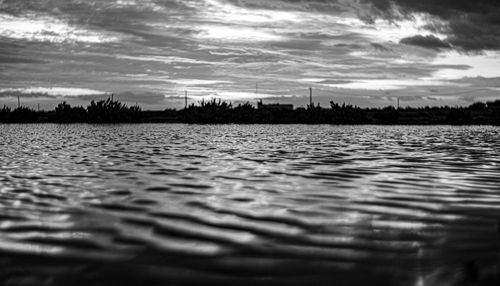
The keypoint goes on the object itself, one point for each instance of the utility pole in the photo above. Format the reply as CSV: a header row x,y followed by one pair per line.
x,y
39,107
257,93
398,103
18,102
185,99
112,96
311,96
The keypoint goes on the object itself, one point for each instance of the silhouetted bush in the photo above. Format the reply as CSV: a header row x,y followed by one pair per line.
x,y
495,115
112,111
211,111
459,116
5,114
244,113
347,114
23,115
387,115
64,113
478,106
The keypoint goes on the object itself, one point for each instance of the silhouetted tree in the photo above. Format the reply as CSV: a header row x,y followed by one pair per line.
x,y
5,114
112,111
459,116
64,113
478,106
387,115
244,113
23,115
347,114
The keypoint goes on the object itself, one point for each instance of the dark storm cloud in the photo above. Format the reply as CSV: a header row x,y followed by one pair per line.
x,y
444,8
429,42
471,25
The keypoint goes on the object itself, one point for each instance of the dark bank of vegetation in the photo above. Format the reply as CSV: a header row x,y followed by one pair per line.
x,y
103,111
216,111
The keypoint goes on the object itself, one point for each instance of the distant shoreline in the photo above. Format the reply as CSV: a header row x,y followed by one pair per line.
x,y
221,112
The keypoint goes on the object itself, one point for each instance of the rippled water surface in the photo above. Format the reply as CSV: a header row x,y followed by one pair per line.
x,y
250,205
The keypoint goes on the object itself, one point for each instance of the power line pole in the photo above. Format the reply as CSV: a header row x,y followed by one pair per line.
x,y
185,99
311,96
398,103
257,93
18,102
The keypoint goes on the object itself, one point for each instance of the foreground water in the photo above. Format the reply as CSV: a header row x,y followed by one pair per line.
x,y
252,205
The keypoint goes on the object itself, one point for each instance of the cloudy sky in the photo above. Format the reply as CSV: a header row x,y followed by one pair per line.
x,y
365,52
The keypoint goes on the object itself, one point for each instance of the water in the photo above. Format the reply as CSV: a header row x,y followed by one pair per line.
x,y
252,205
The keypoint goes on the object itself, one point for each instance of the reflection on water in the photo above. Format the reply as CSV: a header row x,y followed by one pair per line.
x,y
253,205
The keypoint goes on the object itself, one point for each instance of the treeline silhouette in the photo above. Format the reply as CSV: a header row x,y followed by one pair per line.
x,y
217,111
103,111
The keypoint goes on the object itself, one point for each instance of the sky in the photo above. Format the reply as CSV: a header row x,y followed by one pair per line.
x,y
150,52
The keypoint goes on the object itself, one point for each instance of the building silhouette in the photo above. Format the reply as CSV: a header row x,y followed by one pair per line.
x,y
274,106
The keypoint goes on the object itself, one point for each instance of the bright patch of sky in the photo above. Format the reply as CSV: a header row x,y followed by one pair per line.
x,y
53,91
238,96
162,59
486,65
237,34
191,82
48,29
392,84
